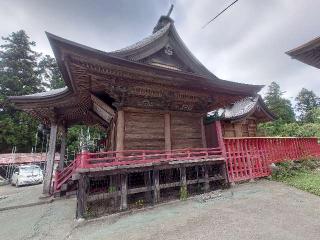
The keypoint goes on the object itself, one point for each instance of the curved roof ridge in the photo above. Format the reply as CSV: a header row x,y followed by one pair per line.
x,y
203,68
50,93
241,108
144,42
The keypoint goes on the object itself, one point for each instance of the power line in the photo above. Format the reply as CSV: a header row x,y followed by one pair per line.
x,y
219,14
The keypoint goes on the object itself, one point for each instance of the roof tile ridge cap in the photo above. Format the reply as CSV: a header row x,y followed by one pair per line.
x,y
145,40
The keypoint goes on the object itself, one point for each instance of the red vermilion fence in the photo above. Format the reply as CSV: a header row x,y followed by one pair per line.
x,y
249,158
246,158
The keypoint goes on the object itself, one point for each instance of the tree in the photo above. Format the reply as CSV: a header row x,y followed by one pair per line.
x,y
280,106
307,102
50,73
315,115
19,75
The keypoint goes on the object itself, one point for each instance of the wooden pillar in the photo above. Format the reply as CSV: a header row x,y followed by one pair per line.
x,y
147,183
82,193
63,147
114,186
206,179
112,140
120,131
203,134
223,168
156,184
167,131
183,176
124,192
50,159
183,186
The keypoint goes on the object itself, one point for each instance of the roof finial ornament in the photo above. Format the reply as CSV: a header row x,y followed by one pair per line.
x,y
170,10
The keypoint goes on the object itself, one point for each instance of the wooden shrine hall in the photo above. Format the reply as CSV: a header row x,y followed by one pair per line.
x,y
152,99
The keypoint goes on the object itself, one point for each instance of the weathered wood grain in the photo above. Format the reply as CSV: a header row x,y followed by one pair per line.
x,y
185,132
144,130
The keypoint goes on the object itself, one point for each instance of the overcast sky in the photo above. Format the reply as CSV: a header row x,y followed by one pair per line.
x,y
246,44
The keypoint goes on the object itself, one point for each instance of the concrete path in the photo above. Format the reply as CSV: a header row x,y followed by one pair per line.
x,y
261,210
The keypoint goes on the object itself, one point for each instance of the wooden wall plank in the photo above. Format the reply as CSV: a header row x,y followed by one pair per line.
x,y
185,131
144,131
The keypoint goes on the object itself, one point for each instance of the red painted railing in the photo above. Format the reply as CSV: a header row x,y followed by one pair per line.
x,y
117,158
249,158
130,157
62,176
246,158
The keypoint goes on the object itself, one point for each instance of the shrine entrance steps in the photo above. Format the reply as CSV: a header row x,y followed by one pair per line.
x,y
105,192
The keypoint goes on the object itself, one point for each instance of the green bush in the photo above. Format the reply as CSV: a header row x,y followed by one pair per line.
x,y
296,129
183,193
303,174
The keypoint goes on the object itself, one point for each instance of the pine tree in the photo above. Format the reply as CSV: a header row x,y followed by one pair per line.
x,y
280,106
19,75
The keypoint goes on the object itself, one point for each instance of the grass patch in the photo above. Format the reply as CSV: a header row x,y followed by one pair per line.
x,y
304,175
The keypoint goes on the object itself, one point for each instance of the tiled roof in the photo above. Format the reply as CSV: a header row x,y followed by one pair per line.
x,y
144,41
237,109
50,93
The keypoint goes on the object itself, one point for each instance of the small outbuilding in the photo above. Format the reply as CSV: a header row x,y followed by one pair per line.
x,y
241,118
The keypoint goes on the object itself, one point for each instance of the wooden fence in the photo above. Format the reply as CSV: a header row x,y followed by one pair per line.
x,y
246,158
249,158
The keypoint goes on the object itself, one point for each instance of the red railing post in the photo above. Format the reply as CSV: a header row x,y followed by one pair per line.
x,y
84,160
56,180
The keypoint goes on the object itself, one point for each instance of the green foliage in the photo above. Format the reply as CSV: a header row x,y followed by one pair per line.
x,y
74,132
19,71
307,101
183,193
139,203
19,74
303,175
314,115
23,71
50,73
297,129
280,106
13,132
111,189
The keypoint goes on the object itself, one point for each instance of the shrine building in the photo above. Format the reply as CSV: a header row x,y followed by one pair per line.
x,y
152,98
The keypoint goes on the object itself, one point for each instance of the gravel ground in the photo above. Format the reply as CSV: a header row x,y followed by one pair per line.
x,y
261,210
12,196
